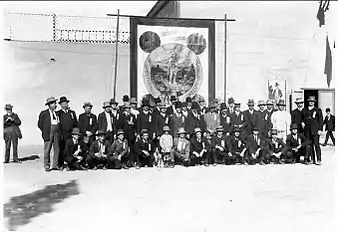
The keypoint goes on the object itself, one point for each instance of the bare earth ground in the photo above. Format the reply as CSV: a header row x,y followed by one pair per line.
x,y
222,198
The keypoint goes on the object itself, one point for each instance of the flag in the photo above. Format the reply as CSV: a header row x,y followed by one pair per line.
x,y
321,15
328,63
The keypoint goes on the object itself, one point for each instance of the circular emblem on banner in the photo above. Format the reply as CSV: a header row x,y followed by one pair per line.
x,y
149,41
196,43
172,69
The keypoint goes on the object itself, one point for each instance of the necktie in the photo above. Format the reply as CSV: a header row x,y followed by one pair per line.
x,y
54,118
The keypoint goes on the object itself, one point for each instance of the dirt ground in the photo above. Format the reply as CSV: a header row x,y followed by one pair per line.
x,y
222,198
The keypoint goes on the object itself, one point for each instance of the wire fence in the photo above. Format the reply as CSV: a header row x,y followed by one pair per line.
x,y
64,28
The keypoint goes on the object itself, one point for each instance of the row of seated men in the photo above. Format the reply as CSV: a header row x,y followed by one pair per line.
x,y
202,148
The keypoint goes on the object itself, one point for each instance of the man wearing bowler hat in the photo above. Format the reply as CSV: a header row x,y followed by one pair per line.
x,y
312,123
281,120
296,114
68,121
188,100
88,123
49,124
107,122
12,133
250,117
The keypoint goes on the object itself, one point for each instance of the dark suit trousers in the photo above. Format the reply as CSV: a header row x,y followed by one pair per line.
x,y
329,134
11,137
95,161
147,160
314,147
54,141
303,151
73,164
62,148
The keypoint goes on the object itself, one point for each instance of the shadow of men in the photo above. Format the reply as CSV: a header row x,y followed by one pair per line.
x,y
21,209
32,157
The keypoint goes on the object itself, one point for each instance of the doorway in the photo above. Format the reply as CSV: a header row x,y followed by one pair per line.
x,y
308,93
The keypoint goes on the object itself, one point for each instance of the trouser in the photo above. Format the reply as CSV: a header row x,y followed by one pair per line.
x,y
11,138
329,134
73,164
205,159
146,160
94,161
303,151
287,157
180,159
249,159
110,137
114,163
218,156
282,135
62,157
264,156
314,147
54,141
233,159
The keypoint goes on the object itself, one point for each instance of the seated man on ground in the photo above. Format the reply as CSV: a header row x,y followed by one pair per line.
x,y
198,152
236,146
276,147
166,144
145,149
255,150
74,156
118,152
220,147
181,149
298,145
98,151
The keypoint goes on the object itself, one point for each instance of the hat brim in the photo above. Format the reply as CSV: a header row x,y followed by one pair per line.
x,y
120,133
106,106
76,133
297,102
181,132
311,100
50,102
64,101
100,134
91,106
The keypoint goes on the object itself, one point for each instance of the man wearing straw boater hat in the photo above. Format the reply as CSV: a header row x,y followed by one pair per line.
x,y
49,124
313,124
281,120
12,133
74,155
296,114
68,121
88,123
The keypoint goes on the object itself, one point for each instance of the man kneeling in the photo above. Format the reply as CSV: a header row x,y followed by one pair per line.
x,y
277,148
98,152
74,156
298,145
145,149
118,155
181,148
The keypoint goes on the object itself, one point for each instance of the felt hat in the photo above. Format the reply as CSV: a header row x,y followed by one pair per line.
x,y
173,98
261,103
125,98
178,104
106,105
50,100
194,106
311,99
251,102
157,100
163,105
293,126
255,128
299,100
8,107
201,99
113,102
166,128
269,102
181,131
145,103
236,128
219,128
197,129
76,131
281,103
133,100
63,99
327,110
231,100
273,131
144,131
223,106
100,132
237,104
184,104
212,105
119,132
188,99
87,104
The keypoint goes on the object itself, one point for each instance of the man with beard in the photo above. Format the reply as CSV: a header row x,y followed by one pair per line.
x,y
312,122
177,119
145,149
261,119
88,123
195,120
68,121
250,117
225,121
106,122
298,145
296,115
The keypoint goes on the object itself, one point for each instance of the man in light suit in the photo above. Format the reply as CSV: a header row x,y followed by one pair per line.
x,y
49,124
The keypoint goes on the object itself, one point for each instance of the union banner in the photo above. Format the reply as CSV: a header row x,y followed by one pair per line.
x,y
172,57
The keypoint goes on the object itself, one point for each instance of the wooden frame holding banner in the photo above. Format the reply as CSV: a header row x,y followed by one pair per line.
x,y
172,57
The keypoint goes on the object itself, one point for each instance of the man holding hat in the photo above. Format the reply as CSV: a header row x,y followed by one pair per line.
x,y
298,145
49,124
68,121
296,114
98,152
177,120
74,156
12,133
281,120
312,122
118,152
88,123
181,148
250,117
261,120
107,122
212,119
145,149
236,147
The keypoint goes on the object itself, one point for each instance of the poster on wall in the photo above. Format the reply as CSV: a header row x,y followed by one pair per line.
x,y
172,58
276,86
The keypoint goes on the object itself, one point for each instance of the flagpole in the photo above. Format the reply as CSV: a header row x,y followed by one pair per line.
x,y
225,57
116,52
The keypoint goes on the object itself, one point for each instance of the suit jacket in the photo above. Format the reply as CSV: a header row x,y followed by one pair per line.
x,y
329,123
44,124
118,148
236,146
196,146
12,125
293,143
88,123
124,124
226,123
177,122
269,118
276,146
313,120
185,152
250,121
170,110
146,146
212,121
67,122
238,120
70,149
221,142
102,122
296,117
261,122
160,122
145,122
252,145
95,148
194,122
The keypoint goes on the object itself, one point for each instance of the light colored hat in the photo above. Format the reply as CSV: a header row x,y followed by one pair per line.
x,y
76,131
269,102
50,100
219,128
133,100
299,100
181,131
281,103
106,105
87,104
163,105
261,103
197,129
119,132
251,102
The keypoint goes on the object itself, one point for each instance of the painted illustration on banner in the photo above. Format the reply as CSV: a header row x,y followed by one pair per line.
x,y
172,61
276,86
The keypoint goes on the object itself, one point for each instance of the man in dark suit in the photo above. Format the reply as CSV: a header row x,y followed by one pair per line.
x,y
107,122
157,109
171,109
12,133
198,150
145,120
49,124
296,114
225,119
276,148
236,146
329,126
68,121
250,117
256,152
145,148
160,120
261,119
194,120
98,152
74,156
88,123
177,119
231,105
298,145
312,122
125,100
269,110
237,118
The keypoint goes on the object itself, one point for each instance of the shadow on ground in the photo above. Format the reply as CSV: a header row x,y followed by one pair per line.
x,y
31,157
21,209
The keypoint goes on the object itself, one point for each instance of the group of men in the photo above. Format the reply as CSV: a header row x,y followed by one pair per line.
x,y
186,133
